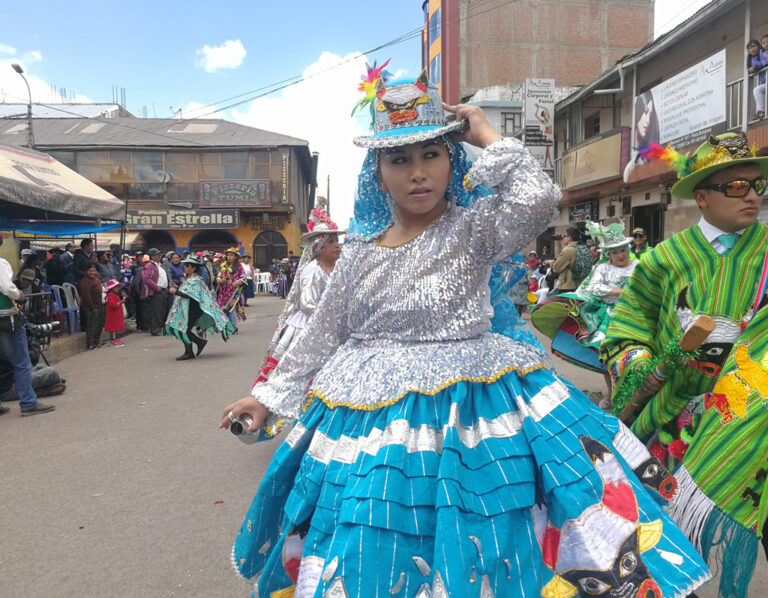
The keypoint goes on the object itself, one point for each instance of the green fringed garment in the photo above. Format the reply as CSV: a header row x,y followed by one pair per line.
x,y
722,501
683,277
212,318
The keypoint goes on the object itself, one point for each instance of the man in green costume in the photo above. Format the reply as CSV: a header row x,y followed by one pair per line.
x,y
709,414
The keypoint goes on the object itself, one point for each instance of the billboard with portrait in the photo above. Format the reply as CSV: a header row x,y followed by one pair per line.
x,y
686,108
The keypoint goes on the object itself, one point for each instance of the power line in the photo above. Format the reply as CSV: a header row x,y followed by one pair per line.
x,y
285,83
467,13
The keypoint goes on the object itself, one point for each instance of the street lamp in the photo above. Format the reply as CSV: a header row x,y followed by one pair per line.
x,y
30,134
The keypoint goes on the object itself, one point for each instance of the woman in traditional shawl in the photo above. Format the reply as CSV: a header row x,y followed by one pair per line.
x,y
195,312
232,281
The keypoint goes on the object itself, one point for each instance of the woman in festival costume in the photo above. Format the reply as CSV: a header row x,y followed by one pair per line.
x,y
704,413
431,457
577,322
195,311
232,282
314,270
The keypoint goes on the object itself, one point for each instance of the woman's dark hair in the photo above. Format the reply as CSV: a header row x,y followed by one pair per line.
x,y
574,233
195,267
641,104
752,42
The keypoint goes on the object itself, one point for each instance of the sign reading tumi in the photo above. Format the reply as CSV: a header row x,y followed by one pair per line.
x,y
235,194
194,219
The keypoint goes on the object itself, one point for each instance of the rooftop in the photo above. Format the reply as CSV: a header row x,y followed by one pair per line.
x,y
52,133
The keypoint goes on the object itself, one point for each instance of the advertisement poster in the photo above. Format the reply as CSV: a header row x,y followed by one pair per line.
x,y
686,108
539,115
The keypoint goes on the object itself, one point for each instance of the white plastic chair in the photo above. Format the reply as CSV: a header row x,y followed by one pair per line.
x,y
262,282
71,294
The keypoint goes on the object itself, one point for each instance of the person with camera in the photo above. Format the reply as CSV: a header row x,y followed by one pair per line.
x,y
573,264
13,343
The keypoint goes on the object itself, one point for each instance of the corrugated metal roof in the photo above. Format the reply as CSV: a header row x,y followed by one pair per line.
x,y
142,132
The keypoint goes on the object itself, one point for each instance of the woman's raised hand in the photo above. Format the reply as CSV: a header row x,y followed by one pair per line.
x,y
479,132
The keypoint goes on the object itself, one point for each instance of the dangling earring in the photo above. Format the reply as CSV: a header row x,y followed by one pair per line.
x,y
393,210
450,197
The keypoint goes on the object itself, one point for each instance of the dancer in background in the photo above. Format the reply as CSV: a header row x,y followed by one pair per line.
x,y
704,413
577,322
195,312
232,282
312,275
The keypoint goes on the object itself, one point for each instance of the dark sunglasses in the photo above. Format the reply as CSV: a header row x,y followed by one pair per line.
x,y
739,187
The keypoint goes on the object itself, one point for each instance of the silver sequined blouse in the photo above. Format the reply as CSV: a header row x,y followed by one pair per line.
x,y
412,317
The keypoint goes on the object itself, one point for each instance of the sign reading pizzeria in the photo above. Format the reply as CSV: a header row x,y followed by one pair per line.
x,y
235,194
193,219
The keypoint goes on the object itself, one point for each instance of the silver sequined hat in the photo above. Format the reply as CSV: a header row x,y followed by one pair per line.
x,y
406,113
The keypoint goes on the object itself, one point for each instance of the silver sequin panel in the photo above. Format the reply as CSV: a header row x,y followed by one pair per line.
x,y
419,296
365,374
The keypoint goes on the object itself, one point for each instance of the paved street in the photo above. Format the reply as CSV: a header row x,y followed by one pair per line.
x,y
128,488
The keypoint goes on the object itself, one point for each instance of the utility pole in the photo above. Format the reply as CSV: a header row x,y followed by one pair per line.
x,y
30,133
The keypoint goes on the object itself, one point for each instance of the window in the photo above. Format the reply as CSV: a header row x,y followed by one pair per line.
x,y
208,169
511,122
94,166
434,26
148,166
591,125
182,166
66,158
120,169
146,191
235,165
435,69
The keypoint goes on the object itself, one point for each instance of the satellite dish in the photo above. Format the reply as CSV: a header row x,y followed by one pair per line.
x,y
162,176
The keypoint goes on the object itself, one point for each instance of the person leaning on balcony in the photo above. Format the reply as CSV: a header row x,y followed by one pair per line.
x,y
565,261
757,59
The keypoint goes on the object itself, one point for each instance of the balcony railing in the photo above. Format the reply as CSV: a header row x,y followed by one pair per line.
x,y
734,98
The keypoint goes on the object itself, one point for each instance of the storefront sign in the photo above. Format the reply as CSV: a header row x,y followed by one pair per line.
x,y
597,161
235,194
582,211
268,221
285,177
685,109
175,219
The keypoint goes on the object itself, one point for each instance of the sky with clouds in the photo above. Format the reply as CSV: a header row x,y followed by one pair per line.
x,y
167,56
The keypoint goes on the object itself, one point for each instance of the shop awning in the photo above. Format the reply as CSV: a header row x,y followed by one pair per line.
x,y
103,241
55,229
32,183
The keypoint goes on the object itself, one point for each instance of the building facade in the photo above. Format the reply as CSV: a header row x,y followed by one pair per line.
x,y
471,44
696,77
189,184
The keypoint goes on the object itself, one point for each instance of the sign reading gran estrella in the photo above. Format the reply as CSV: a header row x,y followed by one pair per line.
x,y
195,219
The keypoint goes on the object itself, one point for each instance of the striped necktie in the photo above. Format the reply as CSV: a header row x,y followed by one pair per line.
x,y
728,241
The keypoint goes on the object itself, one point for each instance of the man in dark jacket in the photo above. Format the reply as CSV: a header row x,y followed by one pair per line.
x,y
67,259
55,269
155,282
82,260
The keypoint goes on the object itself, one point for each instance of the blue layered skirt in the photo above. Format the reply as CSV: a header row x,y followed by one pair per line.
x,y
516,487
